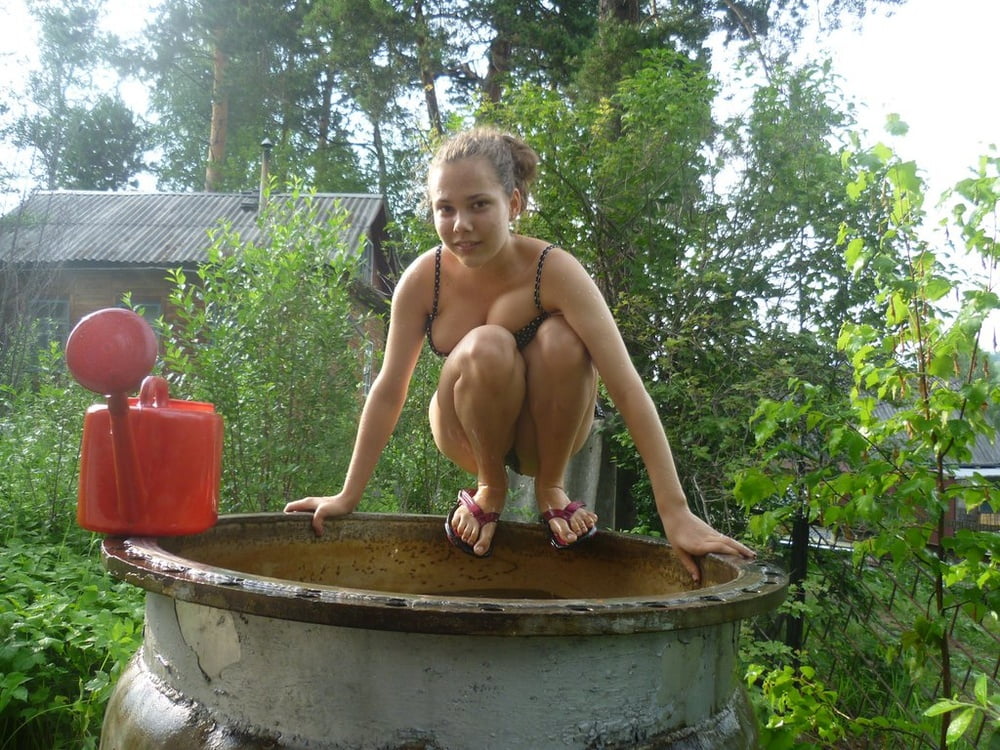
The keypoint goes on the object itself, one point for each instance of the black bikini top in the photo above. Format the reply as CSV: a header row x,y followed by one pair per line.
x,y
523,336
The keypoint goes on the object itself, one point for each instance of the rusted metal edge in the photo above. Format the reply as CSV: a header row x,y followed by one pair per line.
x,y
757,587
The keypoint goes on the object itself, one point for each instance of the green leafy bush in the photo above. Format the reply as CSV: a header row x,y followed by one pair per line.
x,y
68,630
876,465
272,337
41,422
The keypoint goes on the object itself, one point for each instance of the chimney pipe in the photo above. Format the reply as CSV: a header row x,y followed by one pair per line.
x,y
265,171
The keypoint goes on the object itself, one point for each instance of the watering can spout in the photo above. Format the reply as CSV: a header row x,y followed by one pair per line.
x,y
128,474
154,392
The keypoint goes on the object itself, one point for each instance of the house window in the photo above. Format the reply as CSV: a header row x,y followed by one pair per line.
x,y
368,367
51,320
366,270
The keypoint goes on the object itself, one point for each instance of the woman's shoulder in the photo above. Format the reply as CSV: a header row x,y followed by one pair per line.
x,y
420,266
534,248
417,280
553,255
562,278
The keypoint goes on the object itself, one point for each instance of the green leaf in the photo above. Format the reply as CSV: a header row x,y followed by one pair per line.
x,y
981,691
98,682
898,311
937,287
904,177
959,724
943,706
853,252
882,152
753,486
896,126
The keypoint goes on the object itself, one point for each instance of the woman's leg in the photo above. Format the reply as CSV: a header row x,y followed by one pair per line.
x,y
473,416
561,390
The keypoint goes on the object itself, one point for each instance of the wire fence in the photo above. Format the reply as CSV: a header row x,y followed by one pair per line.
x,y
851,626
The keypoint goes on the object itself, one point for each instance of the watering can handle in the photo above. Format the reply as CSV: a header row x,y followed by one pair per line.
x,y
154,392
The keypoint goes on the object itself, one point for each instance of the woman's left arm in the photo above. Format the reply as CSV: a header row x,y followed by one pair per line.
x,y
569,289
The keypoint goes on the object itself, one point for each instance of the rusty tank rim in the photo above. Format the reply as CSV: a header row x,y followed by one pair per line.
x,y
733,588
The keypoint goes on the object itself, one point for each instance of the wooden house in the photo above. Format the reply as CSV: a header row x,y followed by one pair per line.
x,y
64,254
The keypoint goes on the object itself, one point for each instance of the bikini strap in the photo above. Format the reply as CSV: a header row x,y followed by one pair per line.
x,y
538,278
437,282
434,306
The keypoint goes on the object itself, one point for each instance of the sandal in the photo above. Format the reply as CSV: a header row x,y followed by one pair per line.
x,y
565,514
482,518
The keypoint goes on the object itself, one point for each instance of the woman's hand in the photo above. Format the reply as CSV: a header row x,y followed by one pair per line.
x,y
691,537
322,508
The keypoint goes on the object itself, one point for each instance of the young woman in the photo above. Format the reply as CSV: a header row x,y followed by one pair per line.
x,y
524,334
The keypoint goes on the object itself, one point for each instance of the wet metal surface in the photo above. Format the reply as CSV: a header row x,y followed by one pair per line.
x,y
398,572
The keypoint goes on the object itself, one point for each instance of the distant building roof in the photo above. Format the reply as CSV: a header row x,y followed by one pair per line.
x,y
985,458
160,229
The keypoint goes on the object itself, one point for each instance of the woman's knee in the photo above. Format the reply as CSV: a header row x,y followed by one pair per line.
x,y
556,343
489,350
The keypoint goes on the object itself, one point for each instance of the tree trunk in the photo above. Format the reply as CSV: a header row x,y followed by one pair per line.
x,y
219,125
499,64
626,11
944,645
426,73
378,143
324,116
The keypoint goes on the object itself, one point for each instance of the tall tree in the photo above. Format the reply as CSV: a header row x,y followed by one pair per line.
x,y
104,149
227,75
364,60
82,137
792,199
533,41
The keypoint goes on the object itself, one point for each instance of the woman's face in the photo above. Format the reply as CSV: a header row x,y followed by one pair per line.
x,y
472,212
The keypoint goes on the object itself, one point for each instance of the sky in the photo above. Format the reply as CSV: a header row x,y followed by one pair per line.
x,y
934,63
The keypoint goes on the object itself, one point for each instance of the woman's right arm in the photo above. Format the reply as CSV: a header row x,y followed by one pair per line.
x,y
384,402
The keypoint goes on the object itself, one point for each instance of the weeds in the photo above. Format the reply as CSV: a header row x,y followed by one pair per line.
x,y
68,631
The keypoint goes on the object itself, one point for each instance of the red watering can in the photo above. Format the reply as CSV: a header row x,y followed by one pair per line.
x,y
149,466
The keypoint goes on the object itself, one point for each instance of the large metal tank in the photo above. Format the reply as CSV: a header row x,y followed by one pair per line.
x,y
380,635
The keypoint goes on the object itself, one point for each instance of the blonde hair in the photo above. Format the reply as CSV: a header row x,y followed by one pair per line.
x,y
514,161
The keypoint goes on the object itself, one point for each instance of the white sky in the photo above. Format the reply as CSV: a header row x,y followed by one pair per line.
x,y
934,63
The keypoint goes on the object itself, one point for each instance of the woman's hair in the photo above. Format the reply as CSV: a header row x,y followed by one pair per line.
x,y
513,160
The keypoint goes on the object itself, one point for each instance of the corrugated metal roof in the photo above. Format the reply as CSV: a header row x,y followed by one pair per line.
x,y
985,449
148,228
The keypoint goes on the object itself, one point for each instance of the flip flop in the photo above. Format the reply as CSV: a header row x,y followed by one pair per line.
x,y
481,516
565,514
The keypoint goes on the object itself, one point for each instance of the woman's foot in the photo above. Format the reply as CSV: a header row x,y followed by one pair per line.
x,y
473,521
569,522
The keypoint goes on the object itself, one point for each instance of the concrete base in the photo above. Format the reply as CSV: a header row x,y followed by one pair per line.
x,y
591,479
211,678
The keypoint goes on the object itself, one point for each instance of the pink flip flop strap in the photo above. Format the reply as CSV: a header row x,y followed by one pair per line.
x,y
481,516
563,513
